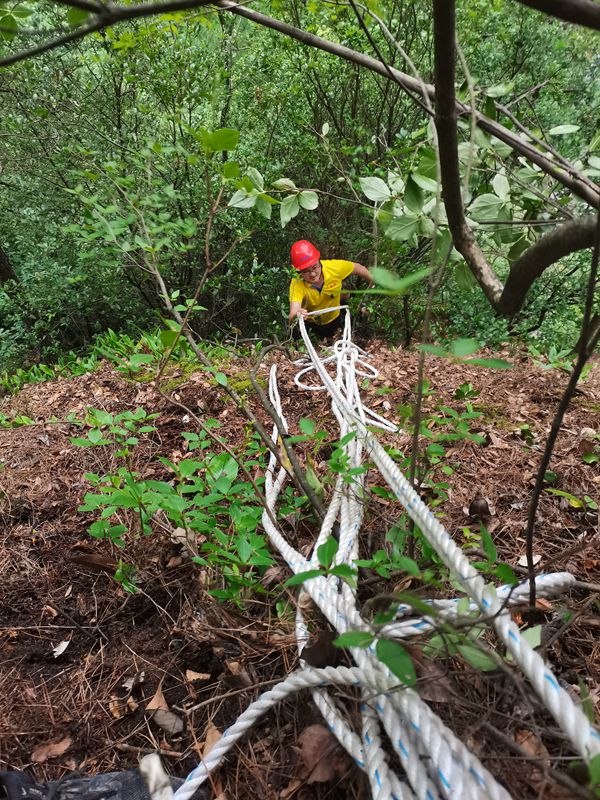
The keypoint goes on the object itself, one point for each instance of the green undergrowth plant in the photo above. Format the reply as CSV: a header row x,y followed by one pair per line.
x,y
204,503
69,365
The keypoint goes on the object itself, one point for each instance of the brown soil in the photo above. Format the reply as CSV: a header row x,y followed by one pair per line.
x,y
56,586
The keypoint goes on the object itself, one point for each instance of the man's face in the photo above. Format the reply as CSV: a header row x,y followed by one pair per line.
x,y
311,274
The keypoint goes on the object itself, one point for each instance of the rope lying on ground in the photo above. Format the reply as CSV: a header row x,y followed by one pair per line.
x,y
436,764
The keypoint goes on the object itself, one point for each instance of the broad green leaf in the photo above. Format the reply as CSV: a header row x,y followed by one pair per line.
x,y
395,182
464,347
307,426
425,183
501,186
325,128
505,573
308,200
397,660
284,183
168,338
518,248
9,27
231,169
76,16
402,228
594,770
499,89
533,636
221,378
221,139
486,207
489,548
296,580
289,209
407,565
375,189
491,363
21,11
241,199
464,277
264,207
476,657
388,280
413,197
354,639
326,552
257,179
562,130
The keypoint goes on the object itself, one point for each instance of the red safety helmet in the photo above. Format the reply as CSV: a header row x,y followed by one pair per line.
x,y
304,255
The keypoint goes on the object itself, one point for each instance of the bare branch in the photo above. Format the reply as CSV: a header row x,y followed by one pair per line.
x,y
577,234
581,12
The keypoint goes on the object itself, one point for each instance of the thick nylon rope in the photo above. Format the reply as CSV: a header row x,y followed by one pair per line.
x,y
414,731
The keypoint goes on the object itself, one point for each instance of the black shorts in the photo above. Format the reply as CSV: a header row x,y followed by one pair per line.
x,y
321,331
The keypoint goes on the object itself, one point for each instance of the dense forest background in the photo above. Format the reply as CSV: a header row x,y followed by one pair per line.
x,y
186,142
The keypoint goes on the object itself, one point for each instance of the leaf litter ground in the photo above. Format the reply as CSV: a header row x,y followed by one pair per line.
x,y
92,678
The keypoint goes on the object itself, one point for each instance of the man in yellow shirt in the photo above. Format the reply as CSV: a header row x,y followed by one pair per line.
x,y
319,287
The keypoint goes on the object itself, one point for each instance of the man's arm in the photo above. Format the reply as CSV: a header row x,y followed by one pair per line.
x,y
363,273
296,310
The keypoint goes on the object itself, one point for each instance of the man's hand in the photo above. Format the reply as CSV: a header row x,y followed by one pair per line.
x,y
296,310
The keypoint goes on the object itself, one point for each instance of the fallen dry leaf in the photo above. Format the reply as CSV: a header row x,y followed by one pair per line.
x,y
115,706
190,675
168,721
211,736
50,750
158,702
317,745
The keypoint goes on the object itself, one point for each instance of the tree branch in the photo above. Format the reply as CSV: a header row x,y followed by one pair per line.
x,y
581,12
571,179
445,123
577,234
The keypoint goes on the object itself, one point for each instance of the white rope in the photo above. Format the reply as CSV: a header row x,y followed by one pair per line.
x,y
435,763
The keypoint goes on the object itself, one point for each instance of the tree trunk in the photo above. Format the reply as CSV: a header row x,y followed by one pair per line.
x,y
7,272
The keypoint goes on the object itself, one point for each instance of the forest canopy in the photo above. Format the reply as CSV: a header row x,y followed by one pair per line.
x,y
198,144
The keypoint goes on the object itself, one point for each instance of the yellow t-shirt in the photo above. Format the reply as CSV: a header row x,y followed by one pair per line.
x,y
334,272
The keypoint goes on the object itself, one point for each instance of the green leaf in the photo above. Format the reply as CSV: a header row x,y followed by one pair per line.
x,y
562,130
344,571
326,552
501,186
489,548
375,189
491,363
289,209
590,458
76,16
425,183
263,207
296,580
464,347
533,636
221,139
231,169
241,199
354,639
394,283
594,769
9,26
407,565
221,378
413,197
476,657
307,426
397,660
168,338
308,200
505,573
499,89
402,228
284,183
256,178
464,277
486,207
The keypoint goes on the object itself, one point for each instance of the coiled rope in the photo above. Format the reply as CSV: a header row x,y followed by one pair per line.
x,y
435,762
